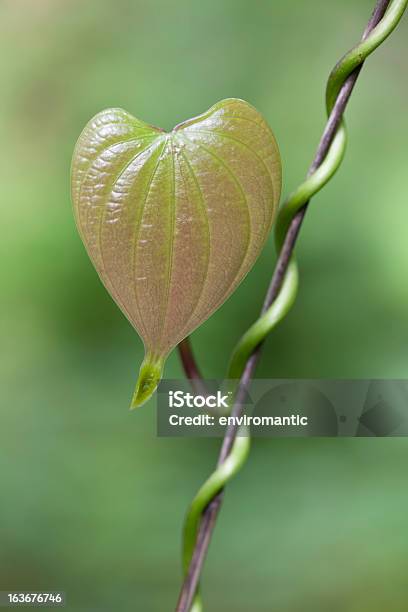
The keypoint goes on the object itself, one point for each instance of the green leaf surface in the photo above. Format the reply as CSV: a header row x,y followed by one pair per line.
x,y
174,221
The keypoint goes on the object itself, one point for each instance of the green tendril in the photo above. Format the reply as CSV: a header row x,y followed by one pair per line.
x,y
288,290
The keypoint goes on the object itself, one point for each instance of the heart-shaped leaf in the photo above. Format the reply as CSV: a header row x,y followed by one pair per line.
x,y
174,221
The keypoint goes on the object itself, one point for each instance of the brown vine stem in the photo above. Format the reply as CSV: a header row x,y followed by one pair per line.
x,y
210,514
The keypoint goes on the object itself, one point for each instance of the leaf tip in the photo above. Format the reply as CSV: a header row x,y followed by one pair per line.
x,y
149,377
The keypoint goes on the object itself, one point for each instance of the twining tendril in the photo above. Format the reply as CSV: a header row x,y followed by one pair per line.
x,y
327,161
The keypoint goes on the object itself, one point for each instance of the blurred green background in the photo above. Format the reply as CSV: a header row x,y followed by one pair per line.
x,y
92,501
